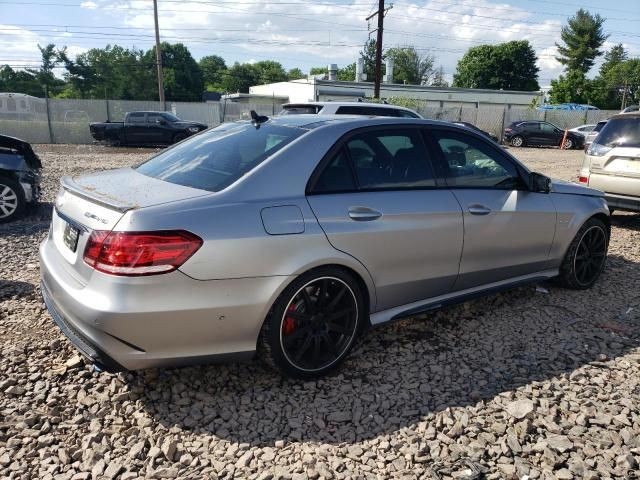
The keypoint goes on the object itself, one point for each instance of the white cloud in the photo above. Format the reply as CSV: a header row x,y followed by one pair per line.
x,y
89,5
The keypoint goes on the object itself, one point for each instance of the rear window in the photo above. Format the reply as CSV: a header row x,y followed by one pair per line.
x,y
215,159
620,132
300,109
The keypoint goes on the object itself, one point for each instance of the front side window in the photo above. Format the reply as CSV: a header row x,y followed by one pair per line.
x,y
154,118
215,159
548,128
472,164
390,159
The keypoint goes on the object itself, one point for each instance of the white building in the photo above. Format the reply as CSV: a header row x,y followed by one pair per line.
x,y
314,89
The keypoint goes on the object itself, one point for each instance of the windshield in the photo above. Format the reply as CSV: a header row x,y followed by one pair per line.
x,y
620,132
215,159
170,117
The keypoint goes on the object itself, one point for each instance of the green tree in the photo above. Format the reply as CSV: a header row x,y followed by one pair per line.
x,y
507,66
582,38
213,69
181,73
269,71
295,74
240,77
347,73
438,78
574,87
368,53
113,72
19,81
410,67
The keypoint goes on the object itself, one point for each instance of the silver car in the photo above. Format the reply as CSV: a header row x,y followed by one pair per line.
x,y
291,235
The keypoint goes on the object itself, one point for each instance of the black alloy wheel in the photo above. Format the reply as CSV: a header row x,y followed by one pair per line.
x,y
590,255
314,323
586,256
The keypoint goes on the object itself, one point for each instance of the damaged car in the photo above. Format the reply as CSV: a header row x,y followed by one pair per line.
x,y
19,177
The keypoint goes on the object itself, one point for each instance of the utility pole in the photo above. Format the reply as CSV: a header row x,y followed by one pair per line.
x,y
158,56
624,96
378,66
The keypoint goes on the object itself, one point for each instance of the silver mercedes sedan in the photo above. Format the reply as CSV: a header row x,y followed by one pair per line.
x,y
291,235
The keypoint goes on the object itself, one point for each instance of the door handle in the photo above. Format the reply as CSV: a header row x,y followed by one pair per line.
x,y
363,214
479,210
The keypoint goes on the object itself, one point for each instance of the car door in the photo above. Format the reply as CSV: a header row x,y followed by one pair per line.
x,y
157,129
508,230
136,128
551,134
376,198
533,131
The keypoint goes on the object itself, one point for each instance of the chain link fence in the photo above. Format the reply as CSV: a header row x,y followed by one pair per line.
x,y
67,120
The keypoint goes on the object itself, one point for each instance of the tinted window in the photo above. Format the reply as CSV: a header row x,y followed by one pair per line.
x,y
547,128
407,114
390,159
337,175
135,118
471,163
368,110
154,117
620,132
599,126
219,157
299,110
170,117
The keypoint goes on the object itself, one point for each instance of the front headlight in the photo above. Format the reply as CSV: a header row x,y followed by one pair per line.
x,y
194,129
598,150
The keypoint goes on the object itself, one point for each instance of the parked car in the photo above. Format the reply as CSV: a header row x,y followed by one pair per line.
x,y
583,129
19,177
631,108
593,134
473,127
612,162
292,235
537,133
348,108
145,128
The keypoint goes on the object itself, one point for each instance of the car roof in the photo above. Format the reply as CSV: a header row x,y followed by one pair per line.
x,y
311,121
635,114
344,104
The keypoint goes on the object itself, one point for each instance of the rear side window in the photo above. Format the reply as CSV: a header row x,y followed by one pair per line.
x,y
599,126
372,111
135,118
620,132
217,158
392,159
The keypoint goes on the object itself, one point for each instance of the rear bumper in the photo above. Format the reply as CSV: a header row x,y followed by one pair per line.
x,y
622,202
130,323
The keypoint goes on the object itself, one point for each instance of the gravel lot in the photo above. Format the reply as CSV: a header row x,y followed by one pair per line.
x,y
534,383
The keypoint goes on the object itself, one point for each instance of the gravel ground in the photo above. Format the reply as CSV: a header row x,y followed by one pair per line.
x,y
538,382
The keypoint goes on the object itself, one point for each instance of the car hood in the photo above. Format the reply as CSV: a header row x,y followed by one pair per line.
x,y
185,123
570,188
126,189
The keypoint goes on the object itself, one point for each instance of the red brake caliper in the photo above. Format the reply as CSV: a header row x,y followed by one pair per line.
x,y
289,324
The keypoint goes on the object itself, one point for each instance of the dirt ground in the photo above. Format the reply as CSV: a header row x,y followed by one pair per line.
x,y
538,382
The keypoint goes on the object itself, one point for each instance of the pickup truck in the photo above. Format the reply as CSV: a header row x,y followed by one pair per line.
x,y
145,128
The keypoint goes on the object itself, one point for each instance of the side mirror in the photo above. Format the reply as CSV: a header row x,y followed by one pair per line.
x,y
539,183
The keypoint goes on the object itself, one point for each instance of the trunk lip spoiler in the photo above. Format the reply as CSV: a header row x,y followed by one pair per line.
x,y
111,203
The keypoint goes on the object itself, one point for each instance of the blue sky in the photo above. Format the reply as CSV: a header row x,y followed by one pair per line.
x,y
303,33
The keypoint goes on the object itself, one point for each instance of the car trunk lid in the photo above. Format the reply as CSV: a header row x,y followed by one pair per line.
x,y
618,172
98,202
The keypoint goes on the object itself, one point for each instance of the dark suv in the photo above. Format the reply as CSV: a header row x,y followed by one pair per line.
x,y
536,133
19,177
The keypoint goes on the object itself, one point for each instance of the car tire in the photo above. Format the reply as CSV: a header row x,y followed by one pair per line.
x,y
178,137
568,144
314,323
586,256
517,141
12,201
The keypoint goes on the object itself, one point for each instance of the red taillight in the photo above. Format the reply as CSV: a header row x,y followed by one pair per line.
x,y
139,253
583,179
507,130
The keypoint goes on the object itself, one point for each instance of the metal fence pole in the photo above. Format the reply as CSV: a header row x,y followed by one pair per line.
x,y
106,103
504,125
46,95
